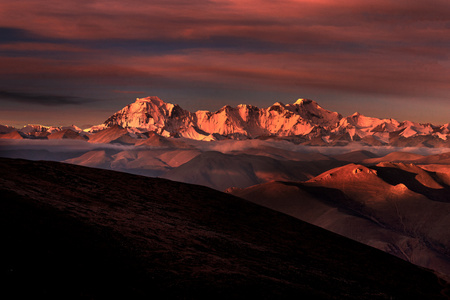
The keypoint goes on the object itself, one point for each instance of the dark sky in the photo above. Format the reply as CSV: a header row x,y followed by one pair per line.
x,y
77,62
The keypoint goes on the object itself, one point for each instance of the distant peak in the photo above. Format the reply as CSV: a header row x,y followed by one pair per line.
x,y
36,125
356,114
150,99
303,101
247,107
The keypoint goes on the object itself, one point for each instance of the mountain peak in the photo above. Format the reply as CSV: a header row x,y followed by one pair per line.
x,y
303,101
153,114
152,99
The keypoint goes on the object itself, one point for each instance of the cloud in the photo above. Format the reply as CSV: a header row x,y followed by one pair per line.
x,y
63,145
20,148
39,46
12,34
227,146
128,92
347,72
79,68
343,48
39,99
283,21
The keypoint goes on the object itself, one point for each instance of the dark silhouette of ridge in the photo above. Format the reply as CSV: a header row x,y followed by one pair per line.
x,y
76,232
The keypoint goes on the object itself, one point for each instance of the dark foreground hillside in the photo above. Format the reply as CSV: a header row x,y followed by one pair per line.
x,y
71,232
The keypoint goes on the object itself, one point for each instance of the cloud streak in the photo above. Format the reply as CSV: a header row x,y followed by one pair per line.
x,y
39,99
230,146
371,48
20,147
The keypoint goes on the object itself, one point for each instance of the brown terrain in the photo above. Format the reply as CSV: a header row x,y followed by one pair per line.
x,y
75,232
221,171
399,208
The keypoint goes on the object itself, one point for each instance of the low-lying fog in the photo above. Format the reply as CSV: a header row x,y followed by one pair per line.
x,y
34,149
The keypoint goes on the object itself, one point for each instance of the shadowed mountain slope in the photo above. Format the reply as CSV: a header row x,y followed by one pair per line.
x,y
114,134
156,140
147,162
282,154
16,135
401,209
72,231
395,157
355,156
66,134
221,171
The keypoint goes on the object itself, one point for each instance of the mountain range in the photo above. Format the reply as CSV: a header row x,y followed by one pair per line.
x,y
302,122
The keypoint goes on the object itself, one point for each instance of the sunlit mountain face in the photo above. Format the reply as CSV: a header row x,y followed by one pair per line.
x,y
302,122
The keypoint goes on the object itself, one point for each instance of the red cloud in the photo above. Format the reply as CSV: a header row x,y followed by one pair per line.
x,y
387,47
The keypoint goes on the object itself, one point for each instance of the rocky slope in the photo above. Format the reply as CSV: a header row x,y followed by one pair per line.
x,y
75,232
398,208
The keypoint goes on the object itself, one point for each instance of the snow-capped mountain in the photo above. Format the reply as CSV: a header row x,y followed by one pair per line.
x,y
299,118
152,114
33,129
6,129
358,127
303,121
41,132
303,118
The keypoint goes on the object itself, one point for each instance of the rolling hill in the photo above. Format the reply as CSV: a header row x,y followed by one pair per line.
x,y
72,231
398,208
